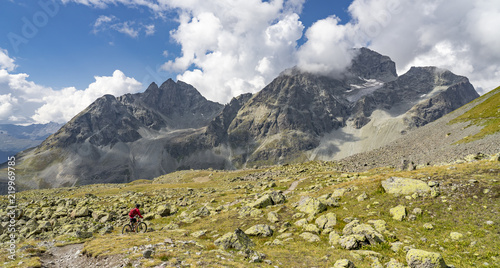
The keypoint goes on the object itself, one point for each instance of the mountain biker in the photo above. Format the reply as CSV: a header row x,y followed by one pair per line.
x,y
133,213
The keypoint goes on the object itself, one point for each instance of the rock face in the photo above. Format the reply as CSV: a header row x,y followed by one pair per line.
x,y
298,116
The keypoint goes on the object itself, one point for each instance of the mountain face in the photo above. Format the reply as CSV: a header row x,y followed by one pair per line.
x,y
14,138
299,116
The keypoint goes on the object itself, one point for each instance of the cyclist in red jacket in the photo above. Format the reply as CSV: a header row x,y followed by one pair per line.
x,y
133,213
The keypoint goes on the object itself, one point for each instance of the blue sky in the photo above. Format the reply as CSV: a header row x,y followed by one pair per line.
x,y
57,56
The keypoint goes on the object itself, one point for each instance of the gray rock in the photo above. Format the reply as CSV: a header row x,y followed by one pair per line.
x,y
403,186
260,230
327,221
398,213
147,253
237,240
309,237
273,217
417,258
164,210
344,263
311,206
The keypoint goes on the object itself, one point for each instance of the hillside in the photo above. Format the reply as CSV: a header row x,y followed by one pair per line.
x,y
472,129
445,216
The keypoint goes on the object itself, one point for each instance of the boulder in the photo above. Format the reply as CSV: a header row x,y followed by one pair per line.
x,y
273,217
277,197
351,242
80,212
455,236
329,200
344,263
262,202
199,234
417,258
164,210
398,213
393,263
237,240
311,206
371,235
310,237
403,186
147,253
334,238
327,221
201,212
311,228
260,230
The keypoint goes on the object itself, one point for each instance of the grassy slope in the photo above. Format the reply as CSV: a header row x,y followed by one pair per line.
x,y
486,115
463,206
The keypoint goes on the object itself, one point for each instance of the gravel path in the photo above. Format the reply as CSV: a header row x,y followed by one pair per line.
x,y
70,256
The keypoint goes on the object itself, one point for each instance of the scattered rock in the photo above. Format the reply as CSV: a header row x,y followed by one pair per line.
x,y
334,238
403,186
311,206
393,263
327,221
201,212
312,228
310,237
260,230
455,236
428,226
273,217
344,263
199,234
417,258
164,210
80,212
147,253
237,240
362,197
398,213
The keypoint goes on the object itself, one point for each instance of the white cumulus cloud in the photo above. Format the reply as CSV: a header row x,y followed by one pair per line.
x,y
62,105
23,101
229,48
6,62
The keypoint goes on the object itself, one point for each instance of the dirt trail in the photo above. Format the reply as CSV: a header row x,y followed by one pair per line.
x,y
70,257
293,186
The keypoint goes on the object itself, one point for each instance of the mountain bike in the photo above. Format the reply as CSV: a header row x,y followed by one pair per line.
x,y
137,227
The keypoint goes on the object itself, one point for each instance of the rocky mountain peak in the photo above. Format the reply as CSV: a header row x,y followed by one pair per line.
x,y
368,64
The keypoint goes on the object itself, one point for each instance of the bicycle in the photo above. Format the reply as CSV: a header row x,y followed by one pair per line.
x,y
138,227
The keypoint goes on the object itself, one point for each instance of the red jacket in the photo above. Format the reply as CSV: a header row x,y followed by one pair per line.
x,y
134,212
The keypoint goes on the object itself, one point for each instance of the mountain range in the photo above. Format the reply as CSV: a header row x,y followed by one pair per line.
x,y
16,138
299,116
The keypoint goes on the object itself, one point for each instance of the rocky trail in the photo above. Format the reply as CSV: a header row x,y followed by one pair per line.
x,y
70,256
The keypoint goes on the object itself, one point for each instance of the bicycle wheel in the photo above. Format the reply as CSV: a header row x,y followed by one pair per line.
x,y
142,227
127,228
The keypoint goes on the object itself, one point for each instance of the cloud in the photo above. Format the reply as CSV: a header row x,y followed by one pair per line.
x,y
328,47
460,36
229,48
6,62
23,101
62,105
130,28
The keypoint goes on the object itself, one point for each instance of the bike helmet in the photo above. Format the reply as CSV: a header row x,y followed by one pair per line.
x,y
137,205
